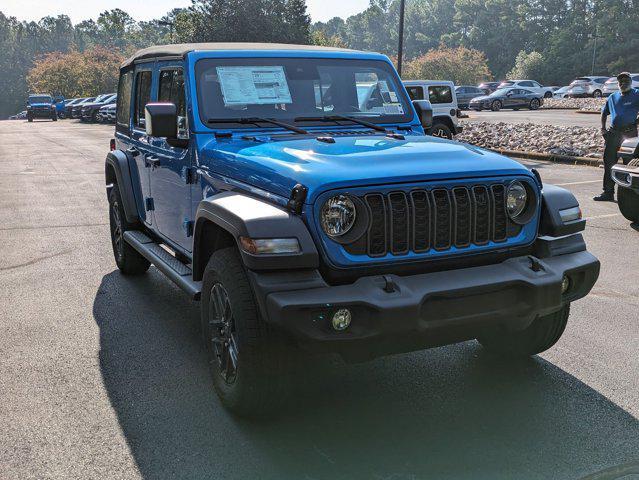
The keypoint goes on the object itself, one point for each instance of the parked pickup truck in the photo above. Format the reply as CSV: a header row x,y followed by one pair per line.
x,y
626,177
304,219
41,106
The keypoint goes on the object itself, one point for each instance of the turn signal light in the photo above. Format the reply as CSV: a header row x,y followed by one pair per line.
x,y
269,246
112,144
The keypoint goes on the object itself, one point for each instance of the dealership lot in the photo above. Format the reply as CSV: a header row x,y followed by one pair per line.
x,y
567,118
103,376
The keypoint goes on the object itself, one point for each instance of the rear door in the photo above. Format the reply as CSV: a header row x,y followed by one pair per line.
x,y
171,165
139,149
442,99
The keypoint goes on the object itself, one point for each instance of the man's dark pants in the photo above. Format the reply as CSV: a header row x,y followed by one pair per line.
x,y
614,139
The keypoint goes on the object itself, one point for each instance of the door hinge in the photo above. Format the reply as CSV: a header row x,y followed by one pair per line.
x,y
149,205
187,226
189,175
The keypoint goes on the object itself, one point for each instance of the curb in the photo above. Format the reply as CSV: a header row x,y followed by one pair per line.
x,y
549,157
591,112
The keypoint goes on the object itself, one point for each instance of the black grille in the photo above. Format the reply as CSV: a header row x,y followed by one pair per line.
x,y
438,219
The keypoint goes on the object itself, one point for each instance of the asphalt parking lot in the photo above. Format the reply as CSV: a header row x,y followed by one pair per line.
x,y
565,118
103,376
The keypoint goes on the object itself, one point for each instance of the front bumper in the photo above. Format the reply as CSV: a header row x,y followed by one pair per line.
x,y
41,113
626,176
424,310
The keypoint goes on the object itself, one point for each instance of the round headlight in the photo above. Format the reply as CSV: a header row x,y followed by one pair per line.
x,y
516,199
338,215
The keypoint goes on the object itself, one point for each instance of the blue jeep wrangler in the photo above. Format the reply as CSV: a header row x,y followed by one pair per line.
x,y
305,211
41,106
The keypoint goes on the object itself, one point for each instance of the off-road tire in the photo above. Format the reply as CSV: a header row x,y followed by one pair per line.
x,y
260,382
496,106
534,104
54,118
127,258
441,130
628,201
29,119
539,336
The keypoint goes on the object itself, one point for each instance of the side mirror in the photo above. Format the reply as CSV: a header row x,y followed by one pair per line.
x,y
161,120
424,112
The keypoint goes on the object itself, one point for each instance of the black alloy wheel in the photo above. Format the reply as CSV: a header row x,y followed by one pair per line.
x,y
222,334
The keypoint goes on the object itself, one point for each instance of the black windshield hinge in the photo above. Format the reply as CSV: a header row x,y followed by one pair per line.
x,y
298,197
189,175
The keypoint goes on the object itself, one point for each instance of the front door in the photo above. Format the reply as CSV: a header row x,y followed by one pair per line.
x,y
170,167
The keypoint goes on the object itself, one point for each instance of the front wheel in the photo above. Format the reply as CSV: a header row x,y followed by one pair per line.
x,y
628,201
442,131
247,360
539,336
596,94
496,106
534,104
548,95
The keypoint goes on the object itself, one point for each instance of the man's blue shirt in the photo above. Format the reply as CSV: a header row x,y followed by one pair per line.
x,y
623,109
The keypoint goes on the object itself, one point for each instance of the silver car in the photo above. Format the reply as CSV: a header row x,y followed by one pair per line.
x,y
612,85
587,86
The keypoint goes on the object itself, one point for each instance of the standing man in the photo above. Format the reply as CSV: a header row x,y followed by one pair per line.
x,y
623,108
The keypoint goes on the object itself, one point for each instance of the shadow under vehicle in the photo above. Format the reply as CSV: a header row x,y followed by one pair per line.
x,y
309,219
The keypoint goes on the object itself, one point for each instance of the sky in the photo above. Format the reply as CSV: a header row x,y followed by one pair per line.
x,y
78,10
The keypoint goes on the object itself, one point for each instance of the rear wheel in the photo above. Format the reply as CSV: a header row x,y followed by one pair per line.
x,y
534,104
628,201
548,95
495,106
539,336
247,360
127,258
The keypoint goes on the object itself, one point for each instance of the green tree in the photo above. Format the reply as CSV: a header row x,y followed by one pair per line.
x,y
461,65
528,65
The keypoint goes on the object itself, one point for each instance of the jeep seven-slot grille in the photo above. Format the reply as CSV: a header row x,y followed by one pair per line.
x,y
439,219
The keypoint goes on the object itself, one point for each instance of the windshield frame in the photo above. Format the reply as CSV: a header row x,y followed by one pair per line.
x,y
200,123
32,99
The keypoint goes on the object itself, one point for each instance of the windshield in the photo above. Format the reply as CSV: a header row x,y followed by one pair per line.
x,y
501,91
289,88
40,99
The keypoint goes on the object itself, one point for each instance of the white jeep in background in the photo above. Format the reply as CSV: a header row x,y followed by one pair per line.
x,y
530,85
442,96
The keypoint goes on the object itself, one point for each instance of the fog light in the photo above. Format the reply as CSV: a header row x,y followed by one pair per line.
x,y
565,284
341,319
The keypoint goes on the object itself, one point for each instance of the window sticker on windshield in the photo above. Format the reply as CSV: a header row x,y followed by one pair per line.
x,y
253,85
393,97
393,109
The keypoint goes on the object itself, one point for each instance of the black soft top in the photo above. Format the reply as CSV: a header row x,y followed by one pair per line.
x,y
181,49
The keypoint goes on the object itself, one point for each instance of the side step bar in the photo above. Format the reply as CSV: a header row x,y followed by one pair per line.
x,y
170,266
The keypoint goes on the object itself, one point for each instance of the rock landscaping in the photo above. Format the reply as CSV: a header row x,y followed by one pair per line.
x,y
581,104
572,141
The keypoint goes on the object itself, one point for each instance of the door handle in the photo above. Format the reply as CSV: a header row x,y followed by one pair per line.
x,y
152,161
133,151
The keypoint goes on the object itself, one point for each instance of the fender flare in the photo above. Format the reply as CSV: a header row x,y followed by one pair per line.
x,y
241,215
554,199
118,161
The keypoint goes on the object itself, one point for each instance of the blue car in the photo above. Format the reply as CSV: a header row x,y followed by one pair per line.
x,y
291,190
41,106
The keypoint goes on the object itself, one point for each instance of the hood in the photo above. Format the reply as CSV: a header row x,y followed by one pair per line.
x,y
358,160
481,98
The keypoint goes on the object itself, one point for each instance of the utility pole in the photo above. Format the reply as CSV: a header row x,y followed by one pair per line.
x,y
594,52
400,47
164,23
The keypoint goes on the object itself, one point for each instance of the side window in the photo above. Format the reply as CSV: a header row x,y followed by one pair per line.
x,y
123,107
415,93
142,96
171,89
461,90
526,84
440,94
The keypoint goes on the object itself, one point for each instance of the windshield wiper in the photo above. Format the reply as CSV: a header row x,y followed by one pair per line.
x,y
256,121
335,118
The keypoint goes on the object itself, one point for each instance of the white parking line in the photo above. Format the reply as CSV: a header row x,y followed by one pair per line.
x,y
603,216
577,183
